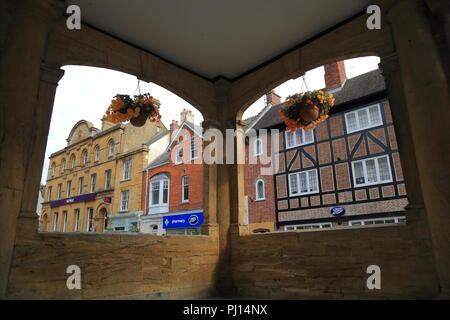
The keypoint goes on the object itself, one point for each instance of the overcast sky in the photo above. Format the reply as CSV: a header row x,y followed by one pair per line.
x,y
86,92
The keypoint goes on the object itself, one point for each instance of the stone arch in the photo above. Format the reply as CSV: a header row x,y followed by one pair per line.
x,y
336,45
81,130
63,50
101,218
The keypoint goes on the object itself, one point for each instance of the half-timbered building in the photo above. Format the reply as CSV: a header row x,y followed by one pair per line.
x,y
345,172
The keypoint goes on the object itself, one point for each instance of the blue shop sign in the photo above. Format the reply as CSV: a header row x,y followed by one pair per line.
x,y
188,220
337,211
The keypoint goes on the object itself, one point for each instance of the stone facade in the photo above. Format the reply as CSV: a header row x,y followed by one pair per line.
x,y
92,166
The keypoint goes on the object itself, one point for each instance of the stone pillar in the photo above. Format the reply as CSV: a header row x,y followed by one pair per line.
x,y
427,101
415,211
25,105
210,226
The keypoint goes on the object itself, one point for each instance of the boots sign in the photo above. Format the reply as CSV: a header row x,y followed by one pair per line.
x,y
337,211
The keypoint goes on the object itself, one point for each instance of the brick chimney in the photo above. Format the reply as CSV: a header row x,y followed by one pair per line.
x,y
186,115
173,128
272,98
334,75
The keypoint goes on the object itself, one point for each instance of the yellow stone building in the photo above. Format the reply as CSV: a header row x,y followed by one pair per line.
x,y
98,175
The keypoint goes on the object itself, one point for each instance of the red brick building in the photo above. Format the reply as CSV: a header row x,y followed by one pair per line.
x,y
346,172
173,182
259,202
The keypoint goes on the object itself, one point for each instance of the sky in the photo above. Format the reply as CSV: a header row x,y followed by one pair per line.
x,y
86,92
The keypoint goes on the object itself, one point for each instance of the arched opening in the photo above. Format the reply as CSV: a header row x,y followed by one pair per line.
x,y
120,154
102,220
335,172
43,225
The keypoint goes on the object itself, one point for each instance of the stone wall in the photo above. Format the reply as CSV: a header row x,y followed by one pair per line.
x,y
119,266
332,264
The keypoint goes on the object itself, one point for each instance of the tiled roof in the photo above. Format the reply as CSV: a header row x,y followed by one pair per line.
x,y
163,158
355,88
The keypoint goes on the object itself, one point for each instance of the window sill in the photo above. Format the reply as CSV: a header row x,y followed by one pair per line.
x,y
259,200
184,202
124,180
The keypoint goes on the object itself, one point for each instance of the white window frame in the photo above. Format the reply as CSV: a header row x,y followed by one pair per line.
x,y
297,174
184,183
90,220
97,153
295,142
256,190
111,148
302,226
77,219
258,151
364,222
108,174
69,187
358,125
64,221
49,193
124,200
178,160
63,165
80,185
55,221
127,169
160,181
377,169
93,182
73,161
194,149
59,191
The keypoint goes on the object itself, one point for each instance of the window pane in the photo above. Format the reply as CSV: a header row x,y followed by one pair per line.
x,y
351,121
260,189
371,171
384,169
303,183
359,172
299,136
308,136
289,139
313,185
165,198
363,119
155,192
293,185
374,115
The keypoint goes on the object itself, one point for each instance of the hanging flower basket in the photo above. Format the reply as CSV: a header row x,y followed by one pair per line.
x,y
306,110
137,110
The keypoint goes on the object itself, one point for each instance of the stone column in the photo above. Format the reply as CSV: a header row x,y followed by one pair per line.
x,y
210,226
415,210
427,101
24,112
